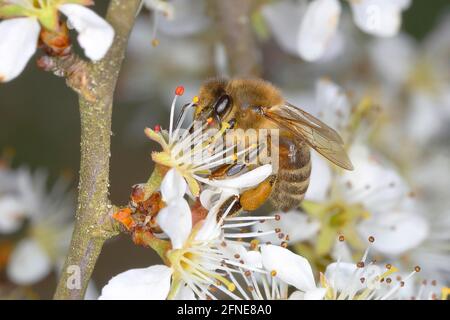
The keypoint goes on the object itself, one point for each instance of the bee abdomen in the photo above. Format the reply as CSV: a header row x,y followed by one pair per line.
x,y
292,178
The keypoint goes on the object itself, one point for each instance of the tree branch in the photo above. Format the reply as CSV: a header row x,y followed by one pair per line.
x,y
233,19
96,111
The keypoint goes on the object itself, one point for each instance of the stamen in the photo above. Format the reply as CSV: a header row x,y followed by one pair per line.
x,y
172,111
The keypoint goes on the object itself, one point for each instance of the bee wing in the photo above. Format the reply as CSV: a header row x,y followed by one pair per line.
x,y
317,134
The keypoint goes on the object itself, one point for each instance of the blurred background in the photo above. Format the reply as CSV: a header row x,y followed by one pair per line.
x,y
39,118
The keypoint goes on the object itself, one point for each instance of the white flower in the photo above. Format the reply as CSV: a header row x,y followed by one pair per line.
x,y
24,197
310,30
373,200
19,36
201,261
364,280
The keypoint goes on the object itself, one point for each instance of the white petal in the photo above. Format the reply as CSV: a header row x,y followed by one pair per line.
x,y
185,293
339,275
297,295
333,104
318,27
320,179
251,258
210,228
246,180
28,263
176,222
290,267
315,294
159,5
394,58
395,232
95,35
173,186
151,283
209,197
11,214
375,184
284,19
18,42
298,225
378,17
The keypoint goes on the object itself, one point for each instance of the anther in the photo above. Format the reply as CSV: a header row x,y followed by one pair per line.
x,y
277,217
388,266
273,273
237,256
341,238
157,128
155,42
284,244
254,244
371,239
231,287
281,235
277,230
179,90
417,269
362,279
388,280
360,264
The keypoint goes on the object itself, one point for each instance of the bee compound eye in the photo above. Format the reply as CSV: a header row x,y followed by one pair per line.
x,y
222,105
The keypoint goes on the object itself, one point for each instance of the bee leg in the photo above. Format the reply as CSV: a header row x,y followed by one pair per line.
x,y
229,170
252,199
235,209
249,200
182,113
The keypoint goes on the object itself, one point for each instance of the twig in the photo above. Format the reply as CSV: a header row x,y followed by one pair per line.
x,y
95,111
234,23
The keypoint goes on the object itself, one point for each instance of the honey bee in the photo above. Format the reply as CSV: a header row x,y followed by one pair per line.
x,y
257,104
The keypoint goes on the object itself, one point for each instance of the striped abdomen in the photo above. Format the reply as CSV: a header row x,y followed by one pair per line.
x,y
294,169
